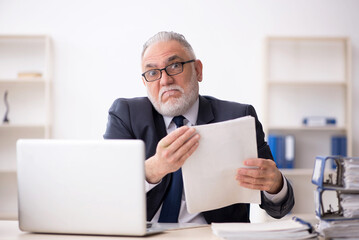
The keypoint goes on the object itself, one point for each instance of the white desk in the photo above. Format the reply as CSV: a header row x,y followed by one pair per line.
x,y
9,231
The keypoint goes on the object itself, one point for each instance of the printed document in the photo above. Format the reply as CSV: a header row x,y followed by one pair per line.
x,y
274,230
209,173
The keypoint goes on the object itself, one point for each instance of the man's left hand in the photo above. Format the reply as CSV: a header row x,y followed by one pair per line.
x,y
265,176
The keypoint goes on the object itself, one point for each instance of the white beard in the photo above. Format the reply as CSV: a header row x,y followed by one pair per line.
x,y
177,106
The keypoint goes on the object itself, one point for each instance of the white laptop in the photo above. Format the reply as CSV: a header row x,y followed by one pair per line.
x,y
82,186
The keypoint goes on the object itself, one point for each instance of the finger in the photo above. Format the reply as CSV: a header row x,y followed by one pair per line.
x,y
173,136
252,172
259,162
253,186
187,149
184,157
268,181
255,183
174,152
182,139
177,159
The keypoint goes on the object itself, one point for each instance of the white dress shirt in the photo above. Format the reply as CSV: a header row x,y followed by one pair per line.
x,y
184,215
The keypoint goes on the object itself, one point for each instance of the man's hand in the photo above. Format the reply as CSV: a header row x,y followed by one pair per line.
x,y
171,153
266,177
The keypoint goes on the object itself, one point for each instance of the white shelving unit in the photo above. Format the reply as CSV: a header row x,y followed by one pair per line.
x,y
29,102
304,77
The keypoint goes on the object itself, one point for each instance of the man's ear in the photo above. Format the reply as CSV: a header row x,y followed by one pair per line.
x,y
144,82
198,67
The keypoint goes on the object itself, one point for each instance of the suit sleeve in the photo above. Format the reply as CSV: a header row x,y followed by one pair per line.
x,y
262,146
119,123
276,210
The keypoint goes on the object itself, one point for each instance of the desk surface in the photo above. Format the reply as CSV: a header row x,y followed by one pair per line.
x,y
9,231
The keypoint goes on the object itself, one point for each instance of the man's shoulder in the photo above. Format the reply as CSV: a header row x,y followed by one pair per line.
x,y
137,102
222,110
132,107
224,103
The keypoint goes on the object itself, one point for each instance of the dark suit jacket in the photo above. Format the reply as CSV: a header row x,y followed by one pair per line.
x,y
137,119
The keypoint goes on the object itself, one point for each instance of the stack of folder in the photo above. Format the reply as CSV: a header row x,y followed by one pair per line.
x,y
351,174
339,229
341,221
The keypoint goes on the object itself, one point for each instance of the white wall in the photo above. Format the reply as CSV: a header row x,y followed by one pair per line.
x,y
97,46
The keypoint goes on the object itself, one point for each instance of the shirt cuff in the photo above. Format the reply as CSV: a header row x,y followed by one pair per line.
x,y
277,198
149,186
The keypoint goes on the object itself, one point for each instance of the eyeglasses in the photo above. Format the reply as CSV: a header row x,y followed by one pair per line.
x,y
171,70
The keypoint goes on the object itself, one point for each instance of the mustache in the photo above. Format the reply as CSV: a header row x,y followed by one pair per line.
x,y
168,88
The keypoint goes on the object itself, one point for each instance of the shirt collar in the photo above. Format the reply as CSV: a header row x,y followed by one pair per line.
x,y
191,115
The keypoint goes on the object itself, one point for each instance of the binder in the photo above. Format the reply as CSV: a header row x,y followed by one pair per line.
x,y
283,150
317,121
339,146
280,152
335,181
289,151
272,142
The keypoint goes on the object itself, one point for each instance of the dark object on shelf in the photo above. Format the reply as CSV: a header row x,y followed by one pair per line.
x,y
282,148
316,121
6,119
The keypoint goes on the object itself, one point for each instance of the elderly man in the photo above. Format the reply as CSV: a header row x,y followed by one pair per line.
x,y
163,120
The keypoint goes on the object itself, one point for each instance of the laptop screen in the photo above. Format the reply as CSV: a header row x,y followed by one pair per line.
x,y
82,186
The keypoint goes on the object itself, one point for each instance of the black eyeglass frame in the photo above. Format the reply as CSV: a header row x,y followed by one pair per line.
x,y
165,69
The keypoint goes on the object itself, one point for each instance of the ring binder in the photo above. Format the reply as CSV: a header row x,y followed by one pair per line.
x,y
343,221
297,219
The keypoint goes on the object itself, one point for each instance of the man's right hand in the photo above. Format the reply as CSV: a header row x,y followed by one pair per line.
x,y
171,153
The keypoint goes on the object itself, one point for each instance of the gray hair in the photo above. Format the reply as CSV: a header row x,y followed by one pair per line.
x,y
168,36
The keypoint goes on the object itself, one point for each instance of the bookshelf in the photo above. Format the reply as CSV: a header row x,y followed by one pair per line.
x,y
305,77
25,74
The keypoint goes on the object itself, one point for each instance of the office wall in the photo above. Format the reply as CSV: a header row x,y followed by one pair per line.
x,y
97,47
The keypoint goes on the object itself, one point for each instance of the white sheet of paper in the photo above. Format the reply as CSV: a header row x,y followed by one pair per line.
x,y
209,174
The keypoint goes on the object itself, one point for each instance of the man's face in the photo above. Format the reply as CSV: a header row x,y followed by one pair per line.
x,y
172,95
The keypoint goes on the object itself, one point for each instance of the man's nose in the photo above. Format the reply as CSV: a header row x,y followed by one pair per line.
x,y
166,79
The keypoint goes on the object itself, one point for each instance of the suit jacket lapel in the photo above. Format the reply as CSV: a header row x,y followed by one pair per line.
x,y
160,125
205,113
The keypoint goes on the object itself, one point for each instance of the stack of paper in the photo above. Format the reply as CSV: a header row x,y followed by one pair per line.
x,y
209,173
283,229
350,205
351,174
339,229
342,221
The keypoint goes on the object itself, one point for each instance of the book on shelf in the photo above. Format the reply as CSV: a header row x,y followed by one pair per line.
x,y
29,74
283,149
318,121
338,147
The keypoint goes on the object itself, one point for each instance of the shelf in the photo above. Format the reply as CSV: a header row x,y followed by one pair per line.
x,y
303,83
306,77
23,36
14,126
7,171
307,38
22,80
25,74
